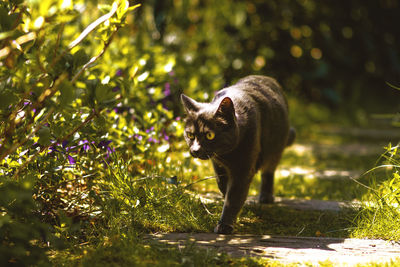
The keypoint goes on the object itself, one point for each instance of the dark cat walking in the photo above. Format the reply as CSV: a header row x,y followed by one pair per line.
x,y
244,129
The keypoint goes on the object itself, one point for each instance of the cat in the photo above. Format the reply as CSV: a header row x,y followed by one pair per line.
x,y
243,130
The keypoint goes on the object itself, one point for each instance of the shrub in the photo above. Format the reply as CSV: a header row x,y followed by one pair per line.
x,y
69,100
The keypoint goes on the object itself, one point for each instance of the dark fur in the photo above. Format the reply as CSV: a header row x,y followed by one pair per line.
x,y
250,122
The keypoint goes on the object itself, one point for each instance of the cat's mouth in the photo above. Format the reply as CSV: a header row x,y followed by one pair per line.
x,y
200,155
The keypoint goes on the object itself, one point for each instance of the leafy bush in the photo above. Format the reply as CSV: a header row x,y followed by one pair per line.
x,y
70,100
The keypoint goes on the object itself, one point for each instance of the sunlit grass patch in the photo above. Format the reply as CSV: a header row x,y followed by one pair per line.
x,y
380,216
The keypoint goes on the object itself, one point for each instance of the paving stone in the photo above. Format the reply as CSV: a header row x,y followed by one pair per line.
x,y
313,250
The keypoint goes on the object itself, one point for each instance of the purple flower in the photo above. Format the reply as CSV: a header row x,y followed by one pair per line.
x,y
167,89
52,149
153,140
104,143
85,145
71,160
116,89
70,149
119,72
150,130
64,143
166,137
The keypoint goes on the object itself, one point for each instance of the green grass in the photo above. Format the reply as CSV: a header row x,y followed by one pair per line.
x,y
380,216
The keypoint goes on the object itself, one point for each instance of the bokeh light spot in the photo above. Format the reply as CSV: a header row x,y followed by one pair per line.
x,y
296,51
259,62
316,53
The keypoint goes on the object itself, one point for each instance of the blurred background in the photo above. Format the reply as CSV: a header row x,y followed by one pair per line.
x,y
341,54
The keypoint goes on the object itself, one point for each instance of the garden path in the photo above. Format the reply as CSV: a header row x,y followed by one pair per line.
x,y
293,249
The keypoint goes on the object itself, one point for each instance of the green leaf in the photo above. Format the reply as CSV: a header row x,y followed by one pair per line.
x,y
44,136
123,7
101,92
7,98
99,122
67,91
104,94
58,130
80,58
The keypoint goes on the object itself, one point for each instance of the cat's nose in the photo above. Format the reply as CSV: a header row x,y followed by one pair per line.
x,y
196,150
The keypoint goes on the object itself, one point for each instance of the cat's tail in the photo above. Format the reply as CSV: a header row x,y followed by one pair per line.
x,y
291,136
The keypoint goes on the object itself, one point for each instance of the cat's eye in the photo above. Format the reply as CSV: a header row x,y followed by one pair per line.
x,y
190,135
210,135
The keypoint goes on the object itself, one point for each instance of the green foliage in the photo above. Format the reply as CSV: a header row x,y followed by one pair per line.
x,y
22,234
69,100
380,216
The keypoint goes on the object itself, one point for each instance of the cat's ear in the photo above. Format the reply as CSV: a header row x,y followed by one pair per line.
x,y
226,109
190,104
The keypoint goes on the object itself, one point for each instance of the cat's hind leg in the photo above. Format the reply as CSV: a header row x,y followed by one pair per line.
x,y
267,179
267,187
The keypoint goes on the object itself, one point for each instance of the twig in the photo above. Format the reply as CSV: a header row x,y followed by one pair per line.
x,y
93,25
93,59
86,121
201,180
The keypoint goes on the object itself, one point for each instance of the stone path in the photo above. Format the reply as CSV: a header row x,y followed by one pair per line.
x,y
291,249
313,250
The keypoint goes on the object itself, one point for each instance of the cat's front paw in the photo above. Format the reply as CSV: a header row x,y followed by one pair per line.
x,y
224,229
266,199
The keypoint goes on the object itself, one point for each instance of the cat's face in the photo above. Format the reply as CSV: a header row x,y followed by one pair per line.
x,y
211,128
